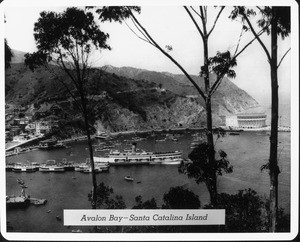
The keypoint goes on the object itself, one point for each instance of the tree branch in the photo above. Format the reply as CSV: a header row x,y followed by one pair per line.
x,y
257,37
283,57
195,11
216,20
169,56
249,43
194,21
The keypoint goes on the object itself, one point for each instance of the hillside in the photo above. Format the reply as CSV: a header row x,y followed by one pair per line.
x,y
134,100
228,96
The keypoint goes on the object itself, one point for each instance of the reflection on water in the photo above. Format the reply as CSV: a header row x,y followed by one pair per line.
x,y
246,152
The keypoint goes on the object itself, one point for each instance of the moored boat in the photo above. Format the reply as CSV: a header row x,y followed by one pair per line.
x,y
51,166
137,158
18,201
51,144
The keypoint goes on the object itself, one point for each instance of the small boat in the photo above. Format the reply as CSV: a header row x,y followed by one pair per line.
x,y
20,181
234,133
24,186
76,231
128,178
48,211
38,202
102,135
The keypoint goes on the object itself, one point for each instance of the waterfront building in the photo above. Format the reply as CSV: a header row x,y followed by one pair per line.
x,y
251,120
246,120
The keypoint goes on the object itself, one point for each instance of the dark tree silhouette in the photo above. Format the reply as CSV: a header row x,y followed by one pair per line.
x,y
276,22
67,40
180,198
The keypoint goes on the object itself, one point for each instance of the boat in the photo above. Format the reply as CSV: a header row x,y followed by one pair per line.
x,y
128,178
24,168
38,202
20,181
18,201
51,144
68,165
51,166
134,157
176,161
102,135
89,170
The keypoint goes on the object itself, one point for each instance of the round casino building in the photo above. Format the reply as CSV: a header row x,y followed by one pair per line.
x,y
251,120
247,121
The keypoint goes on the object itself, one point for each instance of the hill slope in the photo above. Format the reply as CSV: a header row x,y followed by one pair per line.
x,y
134,100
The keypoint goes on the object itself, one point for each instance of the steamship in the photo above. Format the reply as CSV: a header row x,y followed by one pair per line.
x,y
133,157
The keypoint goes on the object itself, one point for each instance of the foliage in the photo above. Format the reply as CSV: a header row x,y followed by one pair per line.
x,y
180,198
66,37
149,204
117,14
243,211
200,168
283,13
221,63
105,200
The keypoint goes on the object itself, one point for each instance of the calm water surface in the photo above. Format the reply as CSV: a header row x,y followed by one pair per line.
x,y
246,152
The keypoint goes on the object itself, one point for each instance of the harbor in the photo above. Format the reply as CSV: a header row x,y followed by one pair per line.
x,y
249,149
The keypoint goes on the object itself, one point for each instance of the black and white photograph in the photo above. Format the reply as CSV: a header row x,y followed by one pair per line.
x,y
158,121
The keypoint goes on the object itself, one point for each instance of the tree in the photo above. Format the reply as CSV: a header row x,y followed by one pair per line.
x,y
180,198
149,204
220,65
202,171
67,40
276,21
243,211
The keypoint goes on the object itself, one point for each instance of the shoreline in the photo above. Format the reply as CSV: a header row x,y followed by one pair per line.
x,y
131,132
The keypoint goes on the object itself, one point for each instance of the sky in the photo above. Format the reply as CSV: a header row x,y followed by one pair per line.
x,y
170,25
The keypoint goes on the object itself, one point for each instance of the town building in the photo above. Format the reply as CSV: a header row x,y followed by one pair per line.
x,y
245,120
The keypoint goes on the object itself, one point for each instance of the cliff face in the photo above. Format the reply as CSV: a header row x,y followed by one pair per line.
x,y
137,99
182,112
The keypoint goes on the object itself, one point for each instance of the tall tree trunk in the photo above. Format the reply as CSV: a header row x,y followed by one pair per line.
x,y
209,133
87,127
273,162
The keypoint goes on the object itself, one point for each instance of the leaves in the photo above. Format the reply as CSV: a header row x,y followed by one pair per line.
x,y
180,198
221,63
63,33
117,14
201,169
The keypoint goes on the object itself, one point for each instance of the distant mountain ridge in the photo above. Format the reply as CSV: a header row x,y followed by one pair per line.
x,y
18,56
138,98
227,92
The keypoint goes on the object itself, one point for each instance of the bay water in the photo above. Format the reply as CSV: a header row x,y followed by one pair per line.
x,y
247,152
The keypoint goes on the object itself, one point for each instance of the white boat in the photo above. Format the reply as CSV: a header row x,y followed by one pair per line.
x,y
89,170
51,169
51,166
24,168
137,158
176,161
128,178
102,135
